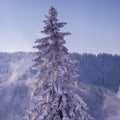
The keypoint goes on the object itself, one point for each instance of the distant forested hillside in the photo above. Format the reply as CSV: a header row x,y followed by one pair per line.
x,y
102,70
100,74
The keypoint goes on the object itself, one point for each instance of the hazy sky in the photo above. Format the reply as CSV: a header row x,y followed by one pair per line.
x,y
94,24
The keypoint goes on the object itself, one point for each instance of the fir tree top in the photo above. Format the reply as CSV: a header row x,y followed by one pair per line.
x,y
52,11
52,25
53,43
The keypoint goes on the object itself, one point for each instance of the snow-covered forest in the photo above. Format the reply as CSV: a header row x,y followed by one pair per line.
x,y
100,74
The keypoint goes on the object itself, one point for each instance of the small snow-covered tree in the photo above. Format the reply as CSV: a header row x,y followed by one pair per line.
x,y
53,99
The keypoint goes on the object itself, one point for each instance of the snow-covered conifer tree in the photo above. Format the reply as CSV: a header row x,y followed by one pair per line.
x,y
53,99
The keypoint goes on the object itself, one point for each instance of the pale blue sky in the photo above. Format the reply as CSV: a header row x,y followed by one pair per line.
x,y
94,24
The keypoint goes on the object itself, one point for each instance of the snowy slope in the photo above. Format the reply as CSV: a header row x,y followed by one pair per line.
x,y
16,71
103,104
